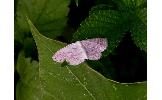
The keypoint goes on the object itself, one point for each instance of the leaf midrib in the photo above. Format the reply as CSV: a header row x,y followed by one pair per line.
x,y
70,72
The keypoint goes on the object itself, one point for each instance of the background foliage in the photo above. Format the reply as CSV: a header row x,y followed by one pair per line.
x,y
122,22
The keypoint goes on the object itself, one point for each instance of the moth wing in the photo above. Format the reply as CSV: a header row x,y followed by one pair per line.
x,y
76,54
94,47
73,53
60,55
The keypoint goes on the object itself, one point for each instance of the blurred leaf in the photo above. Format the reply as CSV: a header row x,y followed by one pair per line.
x,y
139,30
17,36
53,82
76,1
50,16
28,86
30,48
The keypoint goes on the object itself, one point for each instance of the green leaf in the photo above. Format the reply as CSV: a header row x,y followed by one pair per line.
x,y
103,66
137,10
50,16
130,5
139,30
104,23
17,36
80,82
28,86
130,16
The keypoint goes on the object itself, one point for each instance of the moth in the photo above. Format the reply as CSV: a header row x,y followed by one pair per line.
x,y
76,53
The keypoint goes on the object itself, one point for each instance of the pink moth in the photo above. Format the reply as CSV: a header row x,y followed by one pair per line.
x,y
77,52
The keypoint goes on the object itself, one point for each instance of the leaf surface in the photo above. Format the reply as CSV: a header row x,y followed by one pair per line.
x,y
50,16
103,23
69,82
